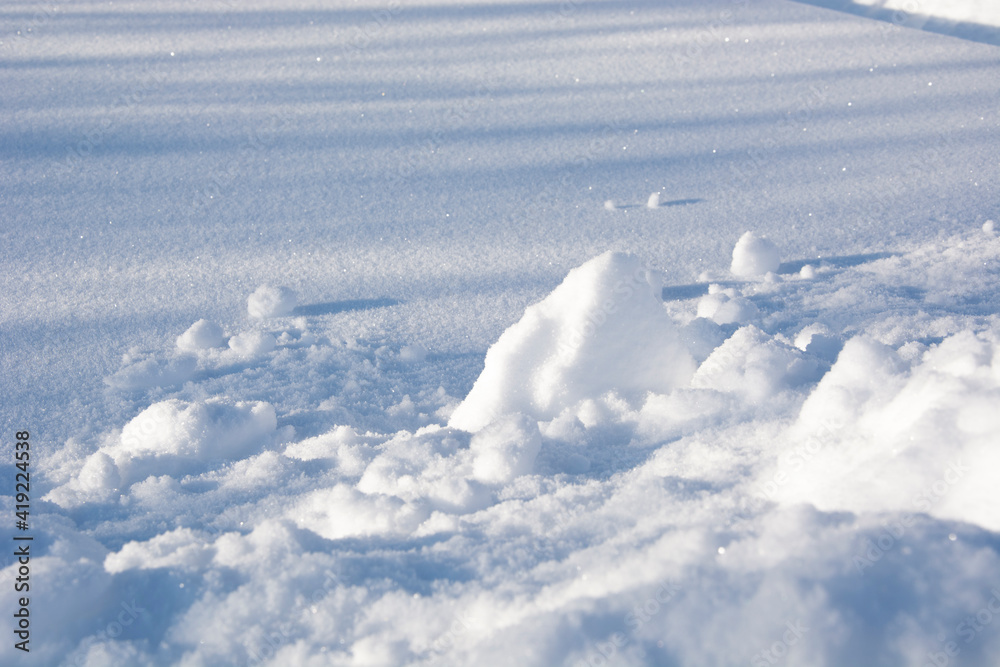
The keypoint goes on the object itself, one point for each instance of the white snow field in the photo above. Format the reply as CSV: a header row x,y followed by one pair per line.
x,y
545,333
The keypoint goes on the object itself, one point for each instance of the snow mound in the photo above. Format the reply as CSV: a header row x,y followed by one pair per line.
x,y
342,511
754,256
201,430
152,371
932,429
755,366
343,444
179,549
725,306
604,328
172,437
201,335
413,354
269,301
252,343
430,468
505,449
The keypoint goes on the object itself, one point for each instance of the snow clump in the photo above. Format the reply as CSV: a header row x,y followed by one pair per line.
x,y
252,343
754,256
268,301
201,335
172,437
603,329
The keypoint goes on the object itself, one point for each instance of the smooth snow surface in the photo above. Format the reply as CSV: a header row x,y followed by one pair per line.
x,y
349,333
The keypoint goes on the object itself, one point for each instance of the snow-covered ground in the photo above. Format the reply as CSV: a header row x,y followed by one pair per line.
x,y
978,20
582,332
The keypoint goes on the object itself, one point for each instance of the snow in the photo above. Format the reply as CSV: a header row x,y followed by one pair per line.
x,y
270,301
201,335
754,256
349,333
602,329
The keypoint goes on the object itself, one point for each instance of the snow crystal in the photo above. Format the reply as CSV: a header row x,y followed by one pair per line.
x,y
269,301
754,256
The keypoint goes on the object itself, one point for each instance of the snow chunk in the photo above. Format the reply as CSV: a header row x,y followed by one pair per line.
x,y
269,301
653,201
252,343
989,226
201,335
153,372
604,328
201,430
180,548
723,306
505,449
754,256
342,444
432,466
171,437
342,511
754,365
413,354
817,340
931,429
